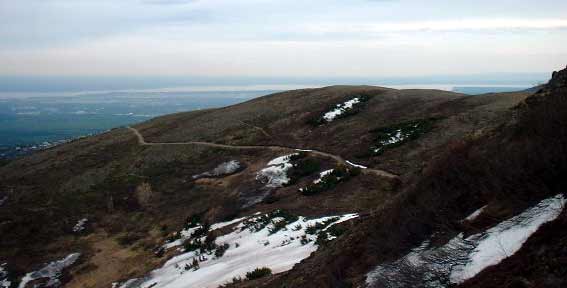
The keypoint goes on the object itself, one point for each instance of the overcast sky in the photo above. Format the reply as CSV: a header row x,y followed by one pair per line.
x,y
281,38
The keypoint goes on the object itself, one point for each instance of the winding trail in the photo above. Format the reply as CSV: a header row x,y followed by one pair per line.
x,y
338,159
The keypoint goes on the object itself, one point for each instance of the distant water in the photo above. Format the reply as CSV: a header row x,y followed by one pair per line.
x,y
36,121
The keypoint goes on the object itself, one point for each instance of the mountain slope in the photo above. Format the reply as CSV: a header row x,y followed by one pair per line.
x,y
135,196
505,172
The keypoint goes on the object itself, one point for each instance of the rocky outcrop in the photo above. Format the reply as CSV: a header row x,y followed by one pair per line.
x,y
557,84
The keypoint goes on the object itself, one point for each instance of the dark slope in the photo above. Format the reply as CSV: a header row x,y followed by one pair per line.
x,y
510,168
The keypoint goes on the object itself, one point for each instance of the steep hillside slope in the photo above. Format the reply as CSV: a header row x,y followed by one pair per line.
x,y
115,198
471,219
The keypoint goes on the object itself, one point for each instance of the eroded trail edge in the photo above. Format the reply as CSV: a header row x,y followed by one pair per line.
x,y
338,159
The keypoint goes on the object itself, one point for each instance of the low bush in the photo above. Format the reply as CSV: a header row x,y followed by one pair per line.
x,y
192,245
362,97
201,231
209,244
301,168
219,252
399,134
277,226
256,224
258,273
192,221
330,181
313,229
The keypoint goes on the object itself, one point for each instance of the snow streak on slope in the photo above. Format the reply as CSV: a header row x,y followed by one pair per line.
x,y
340,109
223,169
475,214
249,247
507,238
275,174
80,226
4,281
463,258
51,272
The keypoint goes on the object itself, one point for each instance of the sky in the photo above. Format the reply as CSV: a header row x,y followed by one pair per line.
x,y
307,38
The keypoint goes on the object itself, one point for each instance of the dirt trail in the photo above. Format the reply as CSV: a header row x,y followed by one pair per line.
x,y
338,159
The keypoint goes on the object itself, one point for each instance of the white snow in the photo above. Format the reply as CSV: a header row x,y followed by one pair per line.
x,y
80,226
51,271
275,174
224,168
463,258
340,109
3,200
507,238
281,160
247,251
4,282
355,165
475,214
323,174
395,137
227,223
183,235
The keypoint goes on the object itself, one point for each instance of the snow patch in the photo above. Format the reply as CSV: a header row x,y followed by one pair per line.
x,y
340,109
356,165
475,214
51,272
183,235
227,223
248,249
275,174
507,238
323,174
463,258
4,282
80,226
3,200
225,168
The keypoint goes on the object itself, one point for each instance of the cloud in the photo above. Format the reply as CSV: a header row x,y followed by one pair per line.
x,y
441,25
168,2
292,37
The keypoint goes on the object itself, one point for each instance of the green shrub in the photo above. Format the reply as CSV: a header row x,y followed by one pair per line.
x,y
192,245
312,229
192,221
322,238
297,156
362,97
304,239
221,250
399,134
278,225
258,273
256,224
201,231
209,244
330,181
301,168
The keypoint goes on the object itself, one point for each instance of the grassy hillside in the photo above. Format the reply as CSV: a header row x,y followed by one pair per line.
x,y
134,196
507,169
